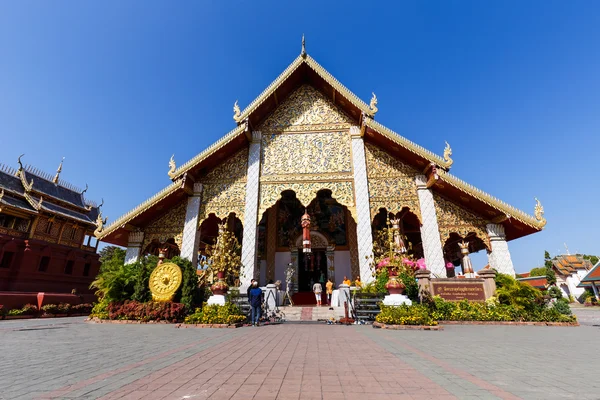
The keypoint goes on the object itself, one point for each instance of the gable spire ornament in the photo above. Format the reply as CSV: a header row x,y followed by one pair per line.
x,y
447,154
58,171
373,105
303,52
172,167
236,112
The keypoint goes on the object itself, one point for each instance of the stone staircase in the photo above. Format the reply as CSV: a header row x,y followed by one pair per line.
x,y
311,313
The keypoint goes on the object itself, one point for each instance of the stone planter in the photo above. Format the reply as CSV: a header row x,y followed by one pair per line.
x,y
18,317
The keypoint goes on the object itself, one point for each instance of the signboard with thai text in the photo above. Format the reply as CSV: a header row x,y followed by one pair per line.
x,y
458,289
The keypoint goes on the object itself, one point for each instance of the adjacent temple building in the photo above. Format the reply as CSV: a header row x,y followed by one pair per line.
x,y
308,144
46,226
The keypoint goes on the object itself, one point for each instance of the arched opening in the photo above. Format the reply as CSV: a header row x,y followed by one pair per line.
x,y
452,253
410,231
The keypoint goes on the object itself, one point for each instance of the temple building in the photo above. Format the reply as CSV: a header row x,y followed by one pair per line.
x,y
46,229
308,144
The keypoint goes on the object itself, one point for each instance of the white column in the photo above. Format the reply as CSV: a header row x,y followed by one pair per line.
x,y
595,289
249,243
191,233
430,231
363,210
134,247
499,257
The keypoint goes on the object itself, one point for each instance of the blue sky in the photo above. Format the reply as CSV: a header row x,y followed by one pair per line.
x,y
117,87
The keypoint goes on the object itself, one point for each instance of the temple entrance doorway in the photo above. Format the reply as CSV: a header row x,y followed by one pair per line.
x,y
312,268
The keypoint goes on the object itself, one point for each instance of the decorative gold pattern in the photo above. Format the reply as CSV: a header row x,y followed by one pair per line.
x,y
169,225
315,66
306,110
58,171
447,154
164,281
391,183
225,188
453,218
305,192
490,200
539,212
310,153
172,167
282,178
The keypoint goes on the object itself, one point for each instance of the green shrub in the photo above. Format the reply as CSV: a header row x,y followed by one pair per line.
x,y
406,315
50,309
29,309
539,271
555,292
216,314
100,309
188,294
15,312
517,294
141,291
411,287
562,306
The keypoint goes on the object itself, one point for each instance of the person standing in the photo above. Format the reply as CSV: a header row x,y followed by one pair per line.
x,y
329,290
347,281
255,302
318,290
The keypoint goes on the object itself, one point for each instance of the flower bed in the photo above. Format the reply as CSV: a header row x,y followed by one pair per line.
x,y
145,312
47,311
209,315
408,327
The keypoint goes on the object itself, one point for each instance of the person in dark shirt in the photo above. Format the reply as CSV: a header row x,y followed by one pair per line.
x,y
255,299
250,288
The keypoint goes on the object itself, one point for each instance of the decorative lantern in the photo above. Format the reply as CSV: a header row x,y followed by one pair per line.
x,y
305,222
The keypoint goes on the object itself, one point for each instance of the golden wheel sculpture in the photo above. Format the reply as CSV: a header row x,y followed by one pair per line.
x,y
164,281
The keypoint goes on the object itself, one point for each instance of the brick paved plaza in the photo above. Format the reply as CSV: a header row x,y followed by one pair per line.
x,y
68,358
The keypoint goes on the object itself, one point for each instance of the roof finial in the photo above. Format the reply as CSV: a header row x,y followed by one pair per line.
x,y
20,164
236,112
303,53
373,105
58,171
172,167
85,190
448,154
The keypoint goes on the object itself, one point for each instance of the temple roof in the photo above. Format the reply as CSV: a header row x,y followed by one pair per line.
x,y
29,190
569,263
305,70
592,276
535,281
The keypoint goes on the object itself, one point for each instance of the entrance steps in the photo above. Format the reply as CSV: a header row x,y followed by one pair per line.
x,y
311,313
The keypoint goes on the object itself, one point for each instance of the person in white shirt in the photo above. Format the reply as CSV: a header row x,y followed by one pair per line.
x,y
318,289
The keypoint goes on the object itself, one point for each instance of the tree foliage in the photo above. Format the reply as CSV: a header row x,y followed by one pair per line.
x,y
550,274
538,271
593,259
107,253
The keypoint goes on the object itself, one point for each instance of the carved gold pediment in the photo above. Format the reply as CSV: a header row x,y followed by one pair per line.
x,y
306,109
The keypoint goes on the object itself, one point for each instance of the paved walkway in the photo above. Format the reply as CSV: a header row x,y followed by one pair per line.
x,y
70,359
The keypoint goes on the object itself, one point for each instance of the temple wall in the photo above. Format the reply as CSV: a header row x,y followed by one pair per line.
x,y
224,188
169,225
455,218
391,182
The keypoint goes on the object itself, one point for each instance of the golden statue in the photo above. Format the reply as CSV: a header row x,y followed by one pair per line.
x,y
236,112
164,281
373,105
539,212
447,154
172,167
